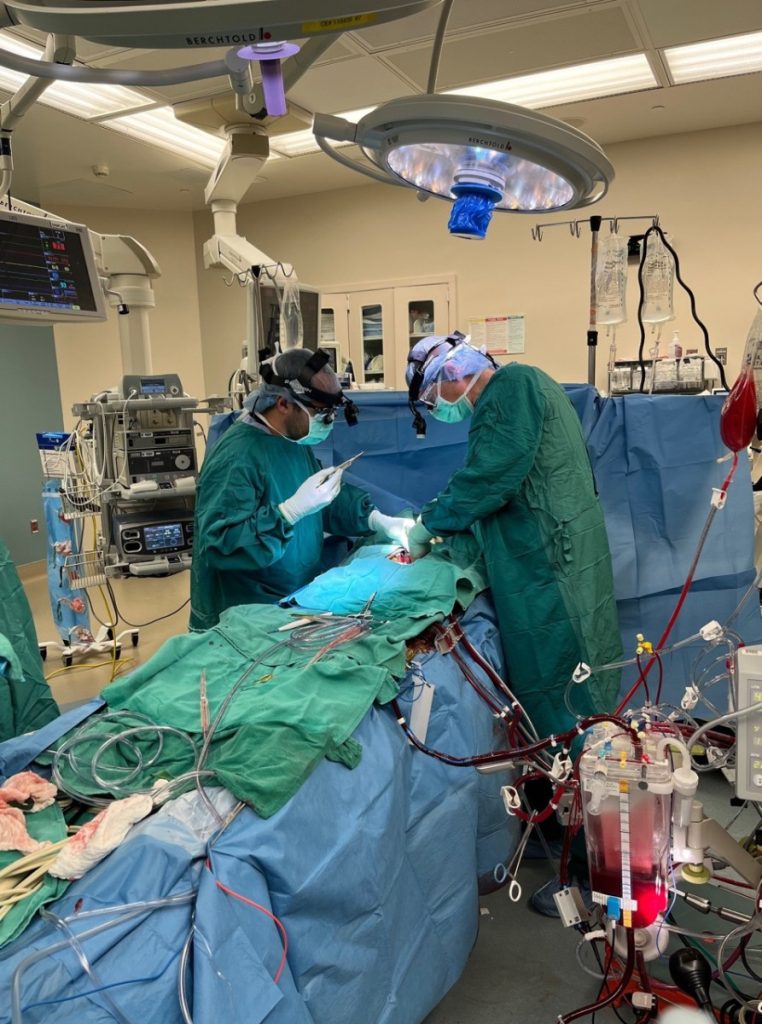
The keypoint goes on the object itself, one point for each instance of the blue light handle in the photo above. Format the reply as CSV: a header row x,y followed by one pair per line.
x,y
472,210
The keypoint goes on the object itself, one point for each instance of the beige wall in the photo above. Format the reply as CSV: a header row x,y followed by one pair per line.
x,y
89,358
704,186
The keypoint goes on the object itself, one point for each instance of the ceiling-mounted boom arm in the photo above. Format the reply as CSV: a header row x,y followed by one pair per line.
x,y
129,268
243,157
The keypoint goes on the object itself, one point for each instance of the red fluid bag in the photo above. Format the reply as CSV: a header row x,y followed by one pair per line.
x,y
738,419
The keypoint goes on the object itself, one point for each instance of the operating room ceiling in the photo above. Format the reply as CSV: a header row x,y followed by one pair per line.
x,y
55,152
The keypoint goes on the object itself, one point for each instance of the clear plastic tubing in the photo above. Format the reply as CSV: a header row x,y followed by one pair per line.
x,y
124,913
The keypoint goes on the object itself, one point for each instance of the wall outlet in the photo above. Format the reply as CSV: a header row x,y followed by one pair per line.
x,y
34,526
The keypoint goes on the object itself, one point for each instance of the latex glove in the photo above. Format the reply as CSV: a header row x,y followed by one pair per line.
x,y
419,540
314,494
396,528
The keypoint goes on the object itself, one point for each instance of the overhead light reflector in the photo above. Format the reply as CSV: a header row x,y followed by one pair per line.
x,y
716,58
482,154
174,24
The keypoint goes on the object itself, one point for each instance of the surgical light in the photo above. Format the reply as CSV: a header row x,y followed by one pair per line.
x,y
481,154
192,25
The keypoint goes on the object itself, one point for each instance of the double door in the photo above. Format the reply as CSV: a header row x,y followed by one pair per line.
x,y
371,331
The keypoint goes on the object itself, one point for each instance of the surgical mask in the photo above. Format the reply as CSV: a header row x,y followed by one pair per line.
x,y
457,411
452,412
319,429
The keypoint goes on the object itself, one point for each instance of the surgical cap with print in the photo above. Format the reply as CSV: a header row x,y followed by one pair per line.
x,y
448,362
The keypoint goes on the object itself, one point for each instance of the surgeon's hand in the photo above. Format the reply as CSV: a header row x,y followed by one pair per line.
x,y
419,540
396,528
315,493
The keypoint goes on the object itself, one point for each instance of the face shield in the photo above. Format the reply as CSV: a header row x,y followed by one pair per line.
x,y
437,360
419,374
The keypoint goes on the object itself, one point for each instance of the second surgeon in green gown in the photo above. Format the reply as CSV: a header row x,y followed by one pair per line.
x,y
264,503
527,492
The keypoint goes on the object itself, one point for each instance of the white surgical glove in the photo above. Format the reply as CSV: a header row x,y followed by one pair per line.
x,y
315,493
419,540
396,528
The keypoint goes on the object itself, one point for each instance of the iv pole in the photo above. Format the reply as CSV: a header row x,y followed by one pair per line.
x,y
595,227
592,330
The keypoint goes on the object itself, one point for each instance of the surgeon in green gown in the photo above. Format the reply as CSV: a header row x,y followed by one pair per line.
x,y
264,503
26,702
527,492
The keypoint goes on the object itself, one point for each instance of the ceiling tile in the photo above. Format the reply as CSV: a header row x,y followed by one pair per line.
x,y
360,82
337,51
466,15
523,48
690,21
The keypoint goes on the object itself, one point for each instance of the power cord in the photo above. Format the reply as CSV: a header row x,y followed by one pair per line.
x,y
655,228
98,619
142,625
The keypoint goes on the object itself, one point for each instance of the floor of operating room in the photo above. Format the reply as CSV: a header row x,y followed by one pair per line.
x,y
523,967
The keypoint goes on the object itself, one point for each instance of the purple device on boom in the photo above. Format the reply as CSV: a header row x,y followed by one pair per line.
x,y
269,56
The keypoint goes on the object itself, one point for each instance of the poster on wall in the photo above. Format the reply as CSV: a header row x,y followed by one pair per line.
x,y
502,335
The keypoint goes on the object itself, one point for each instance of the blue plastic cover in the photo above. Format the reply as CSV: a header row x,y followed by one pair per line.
x,y
373,873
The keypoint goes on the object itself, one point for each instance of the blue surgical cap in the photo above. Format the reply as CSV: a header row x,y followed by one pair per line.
x,y
449,363
262,399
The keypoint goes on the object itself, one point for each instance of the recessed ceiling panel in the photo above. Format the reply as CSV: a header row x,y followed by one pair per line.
x,y
523,48
346,85
690,21
337,51
466,15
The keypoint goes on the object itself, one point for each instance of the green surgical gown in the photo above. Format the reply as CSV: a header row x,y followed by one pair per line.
x,y
26,702
244,551
527,492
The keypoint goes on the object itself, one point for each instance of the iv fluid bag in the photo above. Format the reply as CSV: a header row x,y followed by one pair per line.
x,y
611,281
658,282
291,324
738,419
